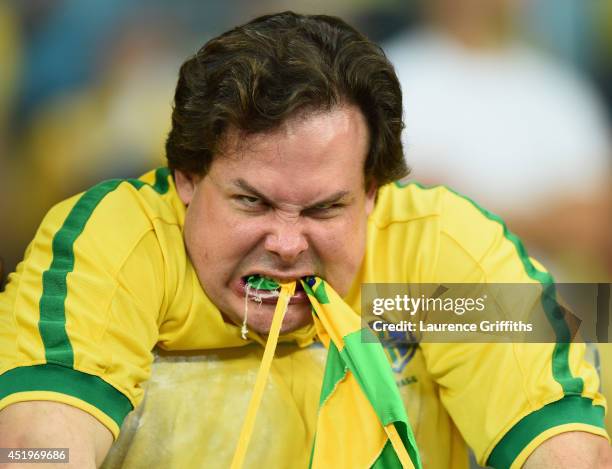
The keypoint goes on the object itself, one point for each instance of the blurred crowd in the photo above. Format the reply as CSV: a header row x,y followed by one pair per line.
x,y
507,101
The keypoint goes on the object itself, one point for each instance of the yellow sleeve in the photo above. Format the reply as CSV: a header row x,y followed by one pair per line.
x,y
506,399
79,318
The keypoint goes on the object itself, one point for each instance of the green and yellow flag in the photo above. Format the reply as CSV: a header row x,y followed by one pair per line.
x,y
362,422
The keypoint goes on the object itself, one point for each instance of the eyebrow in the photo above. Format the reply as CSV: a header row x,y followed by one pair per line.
x,y
245,186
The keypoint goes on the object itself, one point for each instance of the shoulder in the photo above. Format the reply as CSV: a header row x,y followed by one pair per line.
x,y
450,236
108,220
150,197
455,215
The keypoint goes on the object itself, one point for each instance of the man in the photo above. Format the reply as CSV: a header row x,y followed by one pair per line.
x,y
285,137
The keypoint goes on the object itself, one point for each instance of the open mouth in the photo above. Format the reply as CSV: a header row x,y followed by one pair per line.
x,y
262,289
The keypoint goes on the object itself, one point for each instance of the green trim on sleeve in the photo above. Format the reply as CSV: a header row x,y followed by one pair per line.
x,y
571,385
55,378
570,409
160,185
58,374
52,323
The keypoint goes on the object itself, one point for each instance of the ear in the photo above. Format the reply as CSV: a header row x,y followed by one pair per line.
x,y
371,197
186,184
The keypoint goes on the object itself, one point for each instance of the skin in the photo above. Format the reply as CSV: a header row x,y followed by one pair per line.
x,y
40,424
571,450
283,204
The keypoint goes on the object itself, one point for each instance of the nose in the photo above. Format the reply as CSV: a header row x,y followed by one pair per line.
x,y
286,240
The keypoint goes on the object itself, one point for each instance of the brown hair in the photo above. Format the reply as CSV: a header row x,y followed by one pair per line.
x,y
257,75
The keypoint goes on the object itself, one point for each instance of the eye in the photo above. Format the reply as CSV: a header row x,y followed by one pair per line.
x,y
324,210
249,200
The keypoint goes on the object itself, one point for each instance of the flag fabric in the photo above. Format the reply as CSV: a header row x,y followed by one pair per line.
x,y
362,421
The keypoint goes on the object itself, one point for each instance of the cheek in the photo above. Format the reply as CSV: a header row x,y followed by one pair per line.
x,y
216,237
356,243
342,253
341,247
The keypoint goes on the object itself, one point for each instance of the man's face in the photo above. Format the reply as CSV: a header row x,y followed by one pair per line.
x,y
282,204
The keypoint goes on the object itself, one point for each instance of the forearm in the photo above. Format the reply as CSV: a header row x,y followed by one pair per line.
x,y
38,424
572,450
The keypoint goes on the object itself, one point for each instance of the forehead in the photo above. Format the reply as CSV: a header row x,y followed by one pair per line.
x,y
307,151
342,127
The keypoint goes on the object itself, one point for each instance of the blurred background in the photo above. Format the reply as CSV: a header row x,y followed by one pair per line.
x,y
507,101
